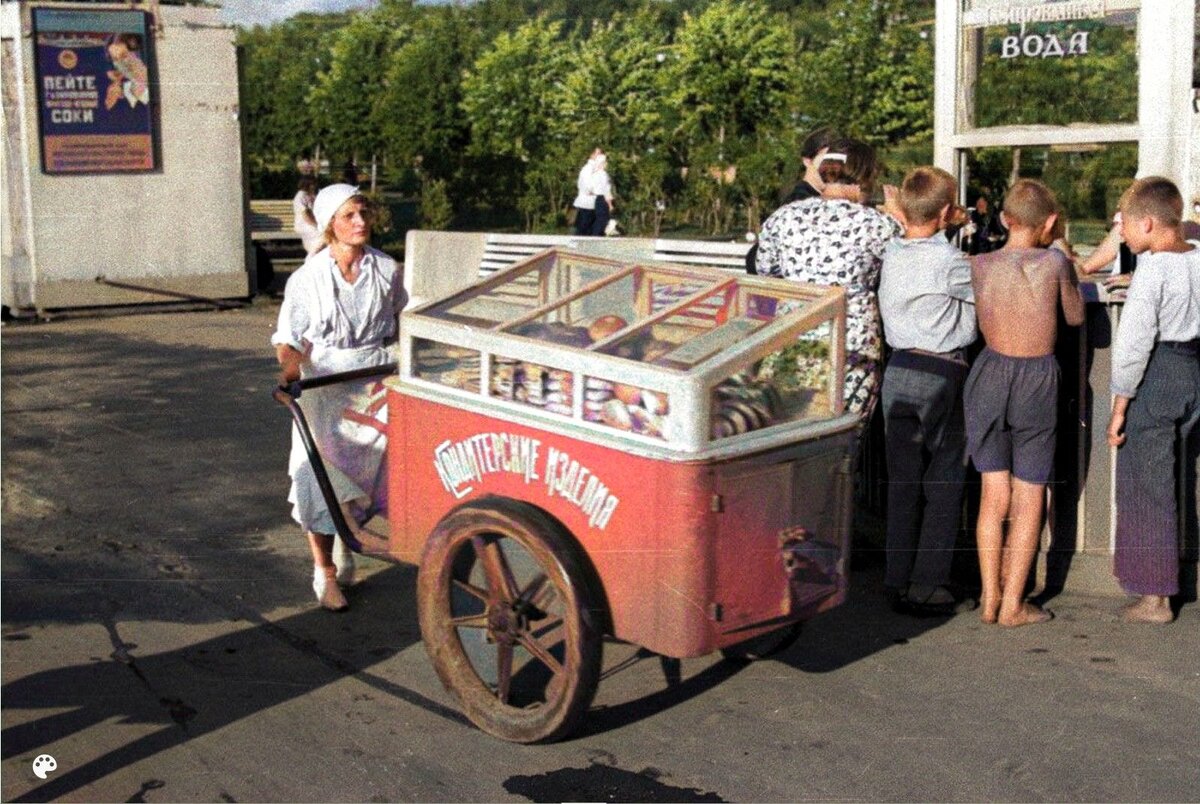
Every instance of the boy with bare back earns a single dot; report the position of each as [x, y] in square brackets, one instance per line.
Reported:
[1156, 394]
[1011, 394]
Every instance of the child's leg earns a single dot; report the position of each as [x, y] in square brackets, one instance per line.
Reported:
[1146, 559]
[1025, 528]
[989, 535]
[904, 448]
[943, 483]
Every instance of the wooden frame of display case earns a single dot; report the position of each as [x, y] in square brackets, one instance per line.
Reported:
[687, 435]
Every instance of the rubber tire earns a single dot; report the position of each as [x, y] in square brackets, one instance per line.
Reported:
[561, 559]
[764, 645]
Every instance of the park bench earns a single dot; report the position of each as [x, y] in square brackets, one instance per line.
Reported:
[730, 256]
[272, 220]
[502, 250]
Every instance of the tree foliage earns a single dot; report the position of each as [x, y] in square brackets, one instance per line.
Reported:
[487, 109]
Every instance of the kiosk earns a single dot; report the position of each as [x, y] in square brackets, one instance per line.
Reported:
[1016, 74]
[122, 156]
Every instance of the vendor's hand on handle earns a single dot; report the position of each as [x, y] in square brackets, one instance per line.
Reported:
[289, 364]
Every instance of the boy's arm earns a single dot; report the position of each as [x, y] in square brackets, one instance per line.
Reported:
[958, 278]
[1104, 254]
[1137, 332]
[1068, 292]
[1116, 422]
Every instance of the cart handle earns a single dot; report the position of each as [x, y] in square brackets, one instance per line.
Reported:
[296, 387]
[287, 395]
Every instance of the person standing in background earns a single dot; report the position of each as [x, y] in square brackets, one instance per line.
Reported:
[303, 222]
[602, 191]
[585, 199]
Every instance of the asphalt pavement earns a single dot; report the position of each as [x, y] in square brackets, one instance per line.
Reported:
[161, 642]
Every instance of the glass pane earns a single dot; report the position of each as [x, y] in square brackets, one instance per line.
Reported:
[550, 278]
[626, 407]
[605, 310]
[446, 365]
[1056, 73]
[705, 327]
[790, 384]
[538, 386]
[1088, 180]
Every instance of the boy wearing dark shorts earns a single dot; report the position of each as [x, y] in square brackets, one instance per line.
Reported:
[1011, 395]
[928, 311]
[1156, 395]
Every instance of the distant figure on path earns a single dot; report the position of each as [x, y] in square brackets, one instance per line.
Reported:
[601, 187]
[585, 199]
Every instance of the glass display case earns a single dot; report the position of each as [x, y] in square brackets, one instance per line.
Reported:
[686, 359]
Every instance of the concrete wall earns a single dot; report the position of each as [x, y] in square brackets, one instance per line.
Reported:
[180, 228]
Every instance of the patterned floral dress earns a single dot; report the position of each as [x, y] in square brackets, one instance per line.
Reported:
[836, 242]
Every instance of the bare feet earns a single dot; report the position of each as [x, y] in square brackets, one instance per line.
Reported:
[1149, 609]
[989, 609]
[1027, 614]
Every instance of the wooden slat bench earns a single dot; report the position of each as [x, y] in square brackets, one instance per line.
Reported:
[730, 256]
[272, 220]
[502, 250]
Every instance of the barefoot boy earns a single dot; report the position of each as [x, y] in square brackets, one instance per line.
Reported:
[928, 311]
[1011, 395]
[1156, 394]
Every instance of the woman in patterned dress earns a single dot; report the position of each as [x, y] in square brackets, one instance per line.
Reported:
[837, 239]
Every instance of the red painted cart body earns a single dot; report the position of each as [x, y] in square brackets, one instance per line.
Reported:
[692, 556]
[581, 447]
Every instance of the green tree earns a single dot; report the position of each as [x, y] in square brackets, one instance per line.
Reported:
[613, 99]
[436, 210]
[731, 74]
[873, 75]
[279, 66]
[514, 100]
[418, 110]
[343, 99]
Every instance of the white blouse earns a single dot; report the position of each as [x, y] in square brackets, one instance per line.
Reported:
[321, 311]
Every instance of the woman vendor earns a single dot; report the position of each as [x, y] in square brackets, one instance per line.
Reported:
[339, 313]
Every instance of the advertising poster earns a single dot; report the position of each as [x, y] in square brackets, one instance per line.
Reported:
[94, 78]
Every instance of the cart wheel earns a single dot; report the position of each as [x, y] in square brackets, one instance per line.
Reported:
[764, 645]
[507, 616]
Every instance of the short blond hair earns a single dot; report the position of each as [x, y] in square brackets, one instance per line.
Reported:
[925, 192]
[1154, 197]
[1029, 203]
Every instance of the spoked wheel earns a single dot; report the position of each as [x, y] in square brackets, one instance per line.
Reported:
[506, 611]
[764, 645]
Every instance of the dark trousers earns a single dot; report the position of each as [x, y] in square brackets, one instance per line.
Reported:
[925, 440]
[1159, 418]
[600, 219]
[583, 221]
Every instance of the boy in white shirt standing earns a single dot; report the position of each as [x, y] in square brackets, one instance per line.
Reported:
[928, 310]
[1156, 394]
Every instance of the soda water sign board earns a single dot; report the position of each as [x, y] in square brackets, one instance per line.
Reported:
[94, 89]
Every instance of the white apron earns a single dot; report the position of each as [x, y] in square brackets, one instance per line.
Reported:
[349, 425]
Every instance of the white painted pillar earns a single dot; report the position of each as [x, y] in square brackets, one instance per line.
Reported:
[1165, 42]
[947, 31]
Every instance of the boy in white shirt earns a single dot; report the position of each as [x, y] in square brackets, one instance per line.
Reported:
[1156, 394]
[928, 310]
